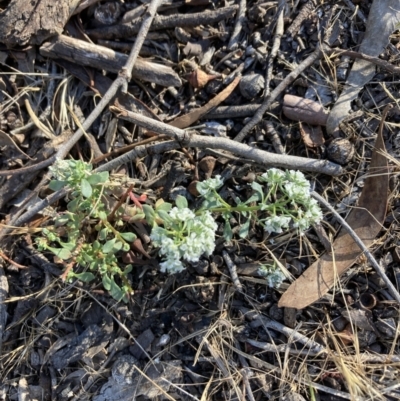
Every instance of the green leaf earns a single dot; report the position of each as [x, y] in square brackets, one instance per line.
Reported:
[126, 247]
[73, 205]
[115, 291]
[165, 217]
[106, 282]
[244, 229]
[62, 253]
[68, 245]
[228, 234]
[149, 213]
[85, 277]
[254, 198]
[103, 234]
[127, 270]
[86, 188]
[164, 206]
[181, 202]
[98, 178]
[109, 245]
[130, 237]
[56, 185]
[62, 220]
[257, 187]
[117, 246]
[102, 215]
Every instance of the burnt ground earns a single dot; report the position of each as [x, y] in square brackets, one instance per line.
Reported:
[204, 334]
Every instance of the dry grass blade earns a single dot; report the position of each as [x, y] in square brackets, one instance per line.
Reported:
[192, 117]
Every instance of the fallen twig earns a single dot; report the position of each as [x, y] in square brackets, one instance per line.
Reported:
[187, 139]
[164, 22]
[102, 58]
[240, 19]
[275, 46]
[233, 271]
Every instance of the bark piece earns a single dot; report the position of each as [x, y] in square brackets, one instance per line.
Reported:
[90, 55]
[32, 22]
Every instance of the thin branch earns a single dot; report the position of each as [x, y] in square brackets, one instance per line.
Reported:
[392, 289]
[275, 47]
[240, 19]
[187, 139]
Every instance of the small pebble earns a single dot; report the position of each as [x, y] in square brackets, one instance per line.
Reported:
[340, 151]
[251, 85]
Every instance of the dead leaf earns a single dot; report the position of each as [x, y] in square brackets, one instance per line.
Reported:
[299, 109]
[312, 136]
[190, 118]
[366, 220]
[6, 140]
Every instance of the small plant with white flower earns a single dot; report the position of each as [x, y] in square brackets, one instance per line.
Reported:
[87, 214]
[281, 200]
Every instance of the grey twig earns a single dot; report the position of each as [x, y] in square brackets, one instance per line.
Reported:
[240, 19]
[392, 289]
[275, 47]
[233, 271]
[187, 139]
[315, 55]
[164, 22]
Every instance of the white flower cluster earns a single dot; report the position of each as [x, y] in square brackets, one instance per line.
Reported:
[61, 169]
[273, 274]
[205, 188]
[186, 237]
[70, 170]
[302, 210]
